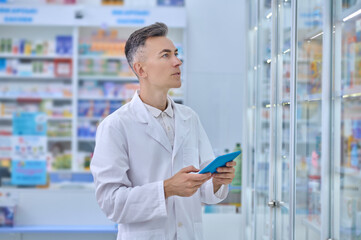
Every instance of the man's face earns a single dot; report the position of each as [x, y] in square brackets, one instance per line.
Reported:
[161, 63]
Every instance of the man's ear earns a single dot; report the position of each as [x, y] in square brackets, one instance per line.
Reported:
[139, 70]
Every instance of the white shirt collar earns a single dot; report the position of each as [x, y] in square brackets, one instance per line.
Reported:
[156, 112]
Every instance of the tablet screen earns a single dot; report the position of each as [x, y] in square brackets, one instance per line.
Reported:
[219, 162]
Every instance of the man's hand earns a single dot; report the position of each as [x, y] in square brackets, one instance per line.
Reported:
[184, 183]
[225, 176]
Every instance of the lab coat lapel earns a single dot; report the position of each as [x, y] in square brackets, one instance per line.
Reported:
[182, 129]
[153, 128]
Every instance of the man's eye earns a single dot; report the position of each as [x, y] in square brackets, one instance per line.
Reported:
[165, 55]
[176, 54]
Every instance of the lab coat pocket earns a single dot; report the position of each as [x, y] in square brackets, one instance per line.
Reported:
[198, 231]
[190, 157]
[144, 235]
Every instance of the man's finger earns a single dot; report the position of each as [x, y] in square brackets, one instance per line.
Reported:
[203, 180]
[225, 169]
[198, 185]
[189, 169]
[231, 164]
[224, 175]
[200, 177]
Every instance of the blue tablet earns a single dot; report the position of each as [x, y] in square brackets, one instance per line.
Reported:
[219, 162]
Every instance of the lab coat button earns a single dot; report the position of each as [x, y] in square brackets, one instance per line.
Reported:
[180, 224]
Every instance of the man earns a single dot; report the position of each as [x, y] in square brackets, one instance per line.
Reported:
[148, 150]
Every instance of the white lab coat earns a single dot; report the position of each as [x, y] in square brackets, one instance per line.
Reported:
[132, 158]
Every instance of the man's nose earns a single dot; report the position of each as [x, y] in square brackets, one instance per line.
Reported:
[177, 61]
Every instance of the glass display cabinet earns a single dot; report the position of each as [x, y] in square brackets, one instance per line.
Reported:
[302, 135]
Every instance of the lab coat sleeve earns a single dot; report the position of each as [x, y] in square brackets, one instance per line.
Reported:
[118, 199]
[205, 157]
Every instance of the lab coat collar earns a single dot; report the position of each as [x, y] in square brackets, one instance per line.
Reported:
[177, 111]
[138, 108]
[155, 130]
[142, 114]
[156, 112]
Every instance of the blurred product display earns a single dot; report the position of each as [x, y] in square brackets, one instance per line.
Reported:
[76, 75]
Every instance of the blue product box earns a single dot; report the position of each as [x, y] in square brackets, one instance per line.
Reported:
[356, 129]
[83, 108]
[68, 45]
[2, 64]
[99, 107]
[85, 177]
[7, 216]
[109, 89]
[80, 130]
[358, 30]
[92, 131]
[114, 105]
[59, 45]
[170, 2]
[64, 45]
[22, 46]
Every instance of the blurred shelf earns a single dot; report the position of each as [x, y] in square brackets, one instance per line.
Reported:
[59, 139]
[105, 57]
[102, 98]
[108, 78]
[350, 232]
[286, 101]
[350, 93]
[176, 99]
[262, 193]
[6, 118]
[313, 34]
[23, 56]
[90, 118]
[32, 77]
[350, 172]
[349, 11]
[353, 95]
[311, 225]
[108, 57]
[10, 118]
[305, 142]
[299, 60]
[66, 177]
[310, 98]
[86, 139]
[308, 121]
[60, 229]
[297, 142]
[51, 118]
[303, 60]
[33, 98]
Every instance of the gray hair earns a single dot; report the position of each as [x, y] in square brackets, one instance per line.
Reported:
[137, 39]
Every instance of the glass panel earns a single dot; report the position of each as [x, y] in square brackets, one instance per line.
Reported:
[262, 216]
[248, 186]
[347, 109]
[283, 117]
[308, 120]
